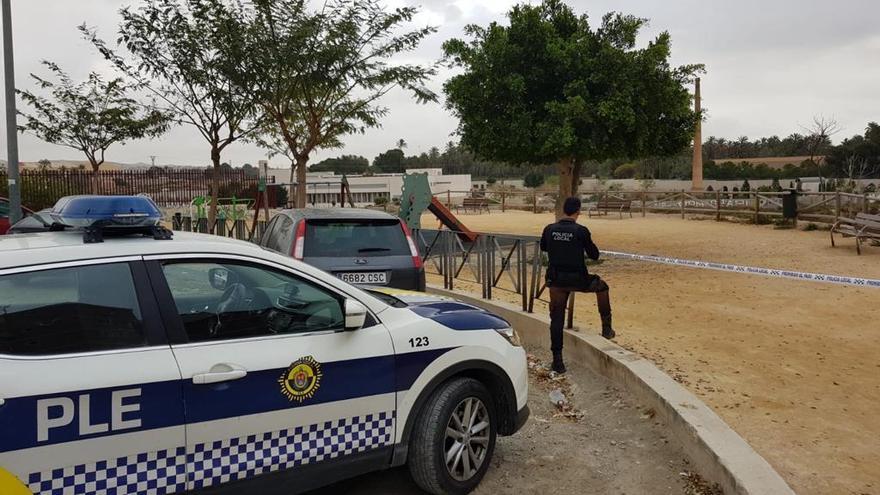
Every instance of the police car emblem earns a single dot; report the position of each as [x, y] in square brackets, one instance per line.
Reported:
[301, 380]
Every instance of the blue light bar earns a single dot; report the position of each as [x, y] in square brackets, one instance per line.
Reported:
[106, 212]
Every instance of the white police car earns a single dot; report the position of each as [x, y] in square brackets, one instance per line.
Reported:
[205, 364]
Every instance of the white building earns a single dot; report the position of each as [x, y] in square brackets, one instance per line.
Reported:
[322, 188]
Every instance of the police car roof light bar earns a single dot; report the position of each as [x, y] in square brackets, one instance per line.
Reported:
[100, 215]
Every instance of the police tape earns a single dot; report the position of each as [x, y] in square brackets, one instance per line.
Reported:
[754, 270]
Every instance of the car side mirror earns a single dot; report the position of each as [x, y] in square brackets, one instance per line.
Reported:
[355, 315]
[220, 278]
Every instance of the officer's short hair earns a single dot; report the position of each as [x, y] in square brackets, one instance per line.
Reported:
[572, 205]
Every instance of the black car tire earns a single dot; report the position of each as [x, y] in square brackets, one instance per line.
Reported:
[431, 439]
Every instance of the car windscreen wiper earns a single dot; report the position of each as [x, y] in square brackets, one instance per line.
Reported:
[372, 249]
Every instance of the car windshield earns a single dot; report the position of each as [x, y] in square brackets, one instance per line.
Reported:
[355, 238]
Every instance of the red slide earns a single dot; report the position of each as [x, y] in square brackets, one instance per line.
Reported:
[450, 221]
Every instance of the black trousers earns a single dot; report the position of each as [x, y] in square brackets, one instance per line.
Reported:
[559, 302]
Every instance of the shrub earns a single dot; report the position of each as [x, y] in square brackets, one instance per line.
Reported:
[533, 179]
[625, 171]
[775, 185]
[381, 201]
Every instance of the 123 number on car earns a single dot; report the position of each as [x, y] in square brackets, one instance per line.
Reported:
[419, 342]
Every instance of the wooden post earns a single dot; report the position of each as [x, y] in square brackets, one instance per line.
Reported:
[503, 201]
[837, 205]
[757, 207]
[644, 198]
[682, 204]
[717, 206]
[865, 203]
[535, 202]
[448, 199]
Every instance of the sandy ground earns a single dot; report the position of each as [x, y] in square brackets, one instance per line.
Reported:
[616, 447]
[791, 365]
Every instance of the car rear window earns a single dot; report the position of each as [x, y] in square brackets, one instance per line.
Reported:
[363, 238]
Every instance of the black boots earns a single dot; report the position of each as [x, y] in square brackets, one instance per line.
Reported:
[607, 331]
[558, 366]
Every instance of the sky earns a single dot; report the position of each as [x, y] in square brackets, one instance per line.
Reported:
[771, 65]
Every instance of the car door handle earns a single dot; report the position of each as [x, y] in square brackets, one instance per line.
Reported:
[220, 373]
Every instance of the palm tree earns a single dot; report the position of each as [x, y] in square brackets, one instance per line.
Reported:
[401, 144]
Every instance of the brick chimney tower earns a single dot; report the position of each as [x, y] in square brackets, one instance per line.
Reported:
[697, 173]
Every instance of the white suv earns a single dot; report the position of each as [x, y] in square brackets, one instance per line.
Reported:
[149, 366]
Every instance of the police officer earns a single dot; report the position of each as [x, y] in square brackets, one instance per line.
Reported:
[566, 242]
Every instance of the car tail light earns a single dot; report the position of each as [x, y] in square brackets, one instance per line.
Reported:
[417, 260]
[299, 240]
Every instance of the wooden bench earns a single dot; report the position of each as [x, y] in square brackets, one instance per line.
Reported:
[478, 205]
[611, 204]
[863, 227]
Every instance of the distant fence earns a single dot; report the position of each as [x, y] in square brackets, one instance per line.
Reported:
[756, 205]
[168, 187]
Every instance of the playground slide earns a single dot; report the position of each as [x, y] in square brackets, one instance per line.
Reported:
[450, 221]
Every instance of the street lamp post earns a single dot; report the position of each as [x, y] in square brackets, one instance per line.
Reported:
[11, 125]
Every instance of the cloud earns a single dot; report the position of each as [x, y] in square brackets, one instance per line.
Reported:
[771, 66]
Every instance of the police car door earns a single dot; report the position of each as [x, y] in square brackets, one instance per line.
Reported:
[271, 380]
[90, 398]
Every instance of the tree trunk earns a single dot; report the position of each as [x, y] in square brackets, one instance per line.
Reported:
[291, 190]
[95, 166]
[95, 188]
[301, 162]
[566, 169]
[576, 176]
[215, 187]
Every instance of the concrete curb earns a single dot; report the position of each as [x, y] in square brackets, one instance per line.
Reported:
[718, 453]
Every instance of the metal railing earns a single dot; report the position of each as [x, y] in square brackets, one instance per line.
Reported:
[496, 262]
[242, 229]
[168, 187]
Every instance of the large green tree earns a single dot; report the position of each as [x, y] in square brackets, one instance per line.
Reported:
[551, 88]
[345, 164]
[172, 48]
[318, 75]
[857, 157]
[88, 116]
[391, 161]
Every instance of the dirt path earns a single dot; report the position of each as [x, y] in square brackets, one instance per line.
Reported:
[615, 448]
[792, 366]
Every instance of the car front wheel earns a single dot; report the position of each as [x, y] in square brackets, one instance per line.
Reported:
[453, 438]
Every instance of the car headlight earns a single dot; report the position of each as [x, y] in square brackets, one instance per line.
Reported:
[510, 335]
